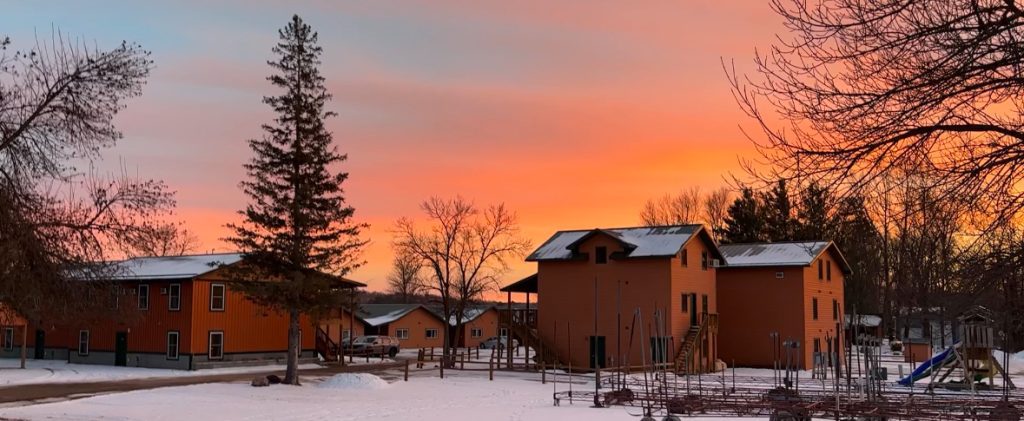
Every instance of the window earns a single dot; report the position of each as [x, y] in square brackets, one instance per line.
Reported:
[703, 260]
[601, 255]
[143, 293]
[683, 258]
[503, 331]
[83, 342]
[820, 277]
[780, 275]
[817, 344]
[704, 303]
[685, 302]
[216, 297]
[828, 270]
[835, 309]
[172, 345]
[476, 332]
[174, 297]
[402, 333]
[216, 350]
[8, 339]
[431, 333]
[346, 335]
[814, 308]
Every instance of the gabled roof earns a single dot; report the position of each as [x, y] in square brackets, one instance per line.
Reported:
[382, 314]
[171, 267]
[471, 313]
[797, 253]
[657, 241]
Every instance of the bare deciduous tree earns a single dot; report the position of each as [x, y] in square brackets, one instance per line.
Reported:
[716, 209]
[865, 88]
[405, 279]
[682, 208]
[466, 250]
[57, 105]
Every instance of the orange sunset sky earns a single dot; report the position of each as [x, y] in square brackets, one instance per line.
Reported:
[570, 112]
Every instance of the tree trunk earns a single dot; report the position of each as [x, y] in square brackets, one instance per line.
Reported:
[291, 374]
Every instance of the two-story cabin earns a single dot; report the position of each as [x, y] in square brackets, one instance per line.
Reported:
[794, 289]
[179, 312]
[628, 295]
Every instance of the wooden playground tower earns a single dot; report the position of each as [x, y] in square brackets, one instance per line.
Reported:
[973, 355]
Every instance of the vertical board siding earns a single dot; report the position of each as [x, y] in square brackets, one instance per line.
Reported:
[247, 327]
[752, 303]
[825, 291]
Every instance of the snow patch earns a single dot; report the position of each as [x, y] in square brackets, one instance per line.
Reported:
[353, 381]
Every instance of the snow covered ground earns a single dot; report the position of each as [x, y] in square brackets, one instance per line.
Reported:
[50, 371]
[466, 396]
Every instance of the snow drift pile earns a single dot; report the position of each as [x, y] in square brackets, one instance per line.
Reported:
[350, 381]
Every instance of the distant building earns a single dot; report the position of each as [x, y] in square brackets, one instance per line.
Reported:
[793, 288]
[413, 324]
[176, 312]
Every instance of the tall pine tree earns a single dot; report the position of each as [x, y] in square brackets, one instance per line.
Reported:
[816, 219]
[778, 214]
[745, 221]
[297, 226]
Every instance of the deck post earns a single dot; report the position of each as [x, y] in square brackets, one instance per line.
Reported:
[508, 332]
[526, 338]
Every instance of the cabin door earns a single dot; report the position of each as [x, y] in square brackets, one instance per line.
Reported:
[40, 344]
[597, 357]
[693, 309]
[121, 349]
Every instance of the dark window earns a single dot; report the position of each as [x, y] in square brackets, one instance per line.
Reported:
[402, 333]
[476, 332]
[817, 345]
[704, 303]
[174, 297]
[503, 332]
[8, 339]
[814, 308]
[828, 270]
[143, 293]
[683, 258]
[216, 350]
[216, 297]
[835, 310]
[601, 255]
[431, 333]
[820, 276]
[685, 302]
[703, 260]
[172, 345]
[83, 342]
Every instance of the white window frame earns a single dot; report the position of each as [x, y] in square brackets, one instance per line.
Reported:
[83, 334]
[502, 332]
[8, 339]
[402, 333]
[476, 332]
[427, 334]
[209, 345]
[223, 296]
[138, 291]
[177, 345]
[171, 296]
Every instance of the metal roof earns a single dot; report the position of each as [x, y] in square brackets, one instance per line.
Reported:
[660, 241]
[171, 267]
[797, 253]
[382, 314]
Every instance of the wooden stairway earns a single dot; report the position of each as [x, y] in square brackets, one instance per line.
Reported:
[529, 336]
[326, 347]
[685, 362]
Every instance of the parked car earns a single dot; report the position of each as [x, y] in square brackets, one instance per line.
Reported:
[498, 342]
[374, 345]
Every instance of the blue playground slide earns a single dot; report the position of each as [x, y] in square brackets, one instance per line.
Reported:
[925, 369]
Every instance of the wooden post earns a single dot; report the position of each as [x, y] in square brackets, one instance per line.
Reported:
[508, 332]
[24, 344]
[462, 361]
[543, 372]
[526, 338]
[490, 369]
[406, 370]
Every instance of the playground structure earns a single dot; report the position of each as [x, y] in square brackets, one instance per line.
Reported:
[848, 381]
[972, 358]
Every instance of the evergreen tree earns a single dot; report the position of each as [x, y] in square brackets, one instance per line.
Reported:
[778, 213]
[745, 221]
[815, 220]
[297, 226]
[861, 244]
